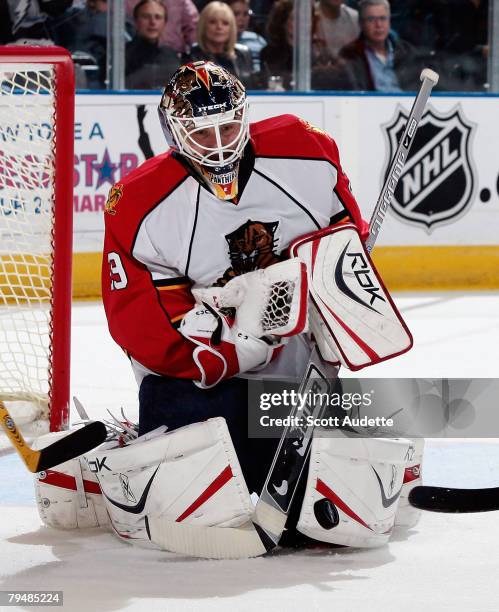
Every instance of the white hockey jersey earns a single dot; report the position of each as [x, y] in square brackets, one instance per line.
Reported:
[166, 233]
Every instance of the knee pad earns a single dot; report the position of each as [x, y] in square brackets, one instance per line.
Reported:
[189, 475]
[68, 496]
[353, 488]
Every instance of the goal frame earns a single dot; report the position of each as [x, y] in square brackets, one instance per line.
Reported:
[62, 229]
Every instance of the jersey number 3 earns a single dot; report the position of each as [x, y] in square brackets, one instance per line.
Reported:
[119, 279]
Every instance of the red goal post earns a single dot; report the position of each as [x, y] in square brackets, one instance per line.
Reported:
[36, 187]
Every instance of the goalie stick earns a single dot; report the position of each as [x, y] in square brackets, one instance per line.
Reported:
[263, 532]
[458, 501]
[74, 444]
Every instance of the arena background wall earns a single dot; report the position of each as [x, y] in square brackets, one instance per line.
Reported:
[443, 232]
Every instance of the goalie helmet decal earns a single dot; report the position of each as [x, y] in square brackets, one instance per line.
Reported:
[202, 88]
[200, 97]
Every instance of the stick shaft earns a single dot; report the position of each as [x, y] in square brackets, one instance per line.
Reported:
[398, 162]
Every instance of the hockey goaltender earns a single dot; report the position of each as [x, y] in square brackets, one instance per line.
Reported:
[225, 258]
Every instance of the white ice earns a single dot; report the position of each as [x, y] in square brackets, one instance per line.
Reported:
[448, 562]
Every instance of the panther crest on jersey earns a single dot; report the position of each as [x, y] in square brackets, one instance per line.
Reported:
[186, 94]
[251, 247]
[113, 198]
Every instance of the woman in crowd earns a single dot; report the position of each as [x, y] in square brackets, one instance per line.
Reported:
[217, 35]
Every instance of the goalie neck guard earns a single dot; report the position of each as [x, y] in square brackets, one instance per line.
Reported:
[204, 116]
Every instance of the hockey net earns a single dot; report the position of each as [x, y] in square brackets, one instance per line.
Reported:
[36, 174]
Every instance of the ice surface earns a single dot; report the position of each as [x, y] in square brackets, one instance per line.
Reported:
[448, 562]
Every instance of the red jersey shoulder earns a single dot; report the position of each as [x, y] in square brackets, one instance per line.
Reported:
[290, 136]
[145, 186]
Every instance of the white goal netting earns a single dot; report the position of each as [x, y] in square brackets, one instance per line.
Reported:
[27, 167]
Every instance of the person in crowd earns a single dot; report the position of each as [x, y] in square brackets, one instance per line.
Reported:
[328, 72]
[415, 21]
[83, 31]
[147, 64]
[378, 61]
[260, 10]
[5, 24]
[336, 24]
[217, 36]
[26, 22]
[245, 36]
[462, 45]
[180, 31]
[277, 57]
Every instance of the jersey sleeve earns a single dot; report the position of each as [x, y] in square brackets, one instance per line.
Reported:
[143, 312]
[343, 191]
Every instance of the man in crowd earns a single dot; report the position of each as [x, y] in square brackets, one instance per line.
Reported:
[377, 60]
[337, 25]
[148, 64]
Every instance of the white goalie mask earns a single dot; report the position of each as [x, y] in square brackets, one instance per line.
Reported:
[204, 115]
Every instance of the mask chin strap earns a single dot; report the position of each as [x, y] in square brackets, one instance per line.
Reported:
[224, 185]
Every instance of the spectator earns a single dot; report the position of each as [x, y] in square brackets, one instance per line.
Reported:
[462, 45]
[26, 22]
[254, 42]
[147, 65]
[84, 32]
[217, 35]
[328, 72]
[415, 22]
[377, 60]
[260, 13]
[5, 24]
[180, 31]
[277, 57]
[336, 25]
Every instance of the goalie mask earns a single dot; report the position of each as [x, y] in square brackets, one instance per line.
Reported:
[204, 115]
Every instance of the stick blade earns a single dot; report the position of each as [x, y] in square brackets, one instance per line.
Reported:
[206, 542]
[458, 501]
[73, 445]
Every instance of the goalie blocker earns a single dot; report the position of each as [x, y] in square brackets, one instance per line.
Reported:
[352, 316]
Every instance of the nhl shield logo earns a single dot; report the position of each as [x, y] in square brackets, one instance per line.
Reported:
[437, 183]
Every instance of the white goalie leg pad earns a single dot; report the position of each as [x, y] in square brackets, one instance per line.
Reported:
[270, 301]
[359, 321]
[190, 476]
[353, 489]
[407, 516]
[68, 495]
